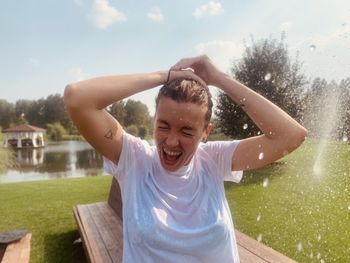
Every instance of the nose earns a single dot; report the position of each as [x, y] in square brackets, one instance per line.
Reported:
[172, 140]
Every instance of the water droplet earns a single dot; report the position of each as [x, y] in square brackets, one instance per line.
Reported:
[312, 47]
[260, 237]
[245, 126]
[261, 156]
[259, 132]
[258, 218]
[345, 138]
[267, 76]
[318, 237]
[300, 246]
[266, 182]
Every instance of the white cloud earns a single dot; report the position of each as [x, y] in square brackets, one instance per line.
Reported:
[222, 52]
[77, 74]
[103, 14]
[286, 26]
[210, 9]
[34, 62]
[155, 14]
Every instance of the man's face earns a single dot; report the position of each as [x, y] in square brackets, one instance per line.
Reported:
[178, 129]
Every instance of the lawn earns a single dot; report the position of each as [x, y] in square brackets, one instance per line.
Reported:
[45, 209]
[304, 215]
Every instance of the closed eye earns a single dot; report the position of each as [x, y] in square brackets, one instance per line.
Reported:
[186, 133]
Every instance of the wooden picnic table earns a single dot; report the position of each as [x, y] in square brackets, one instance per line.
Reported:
[101, 230]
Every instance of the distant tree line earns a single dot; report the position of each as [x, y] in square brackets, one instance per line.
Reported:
[50, 113]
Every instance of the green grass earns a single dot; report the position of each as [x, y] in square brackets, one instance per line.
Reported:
[45, 209]
[303, 215]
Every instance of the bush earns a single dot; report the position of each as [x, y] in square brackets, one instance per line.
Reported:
[132, 129]
[55, 131]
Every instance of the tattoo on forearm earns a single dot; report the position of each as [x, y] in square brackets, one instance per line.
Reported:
[109, 135]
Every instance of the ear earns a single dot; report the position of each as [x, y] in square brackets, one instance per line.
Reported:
[207, 131]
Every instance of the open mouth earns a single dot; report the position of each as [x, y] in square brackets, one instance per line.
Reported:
[171, 157]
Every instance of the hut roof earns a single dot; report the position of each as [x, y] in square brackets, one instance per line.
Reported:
[24, 128]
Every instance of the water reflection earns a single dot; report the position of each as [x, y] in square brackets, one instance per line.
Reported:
[56, 160]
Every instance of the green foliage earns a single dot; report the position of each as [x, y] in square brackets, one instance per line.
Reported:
[6, 113]
[55, 131]
[267, 69]
[132, 129]
[142, 132]
[7, 157]
[136, 113]
[133, 115]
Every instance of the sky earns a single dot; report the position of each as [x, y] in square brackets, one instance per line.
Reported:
[47, 44]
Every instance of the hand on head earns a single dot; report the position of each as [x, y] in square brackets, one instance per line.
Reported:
[184, 74]
[201, 66]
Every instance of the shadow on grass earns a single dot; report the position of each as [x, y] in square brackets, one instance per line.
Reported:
[61, 248]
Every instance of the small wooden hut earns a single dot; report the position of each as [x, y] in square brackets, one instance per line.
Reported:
[24, 136]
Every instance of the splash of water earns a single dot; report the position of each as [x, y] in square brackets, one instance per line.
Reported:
[329, 119]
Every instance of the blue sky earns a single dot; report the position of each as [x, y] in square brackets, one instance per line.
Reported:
[46, 44]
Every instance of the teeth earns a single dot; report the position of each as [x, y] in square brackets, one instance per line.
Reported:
[171, 153]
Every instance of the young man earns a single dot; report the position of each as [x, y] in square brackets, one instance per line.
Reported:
[174, 205]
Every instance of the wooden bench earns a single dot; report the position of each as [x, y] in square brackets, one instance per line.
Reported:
[16, 252]
[101, 231]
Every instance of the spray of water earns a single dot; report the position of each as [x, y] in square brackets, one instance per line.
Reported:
[330, 120]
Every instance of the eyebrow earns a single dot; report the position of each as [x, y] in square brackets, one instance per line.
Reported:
[182, 128]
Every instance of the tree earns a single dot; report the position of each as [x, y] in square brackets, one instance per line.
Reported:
[142, 132]
[136, 113]
[117, 110]
[267, 69]
[7, 113]
[55, 131]
[132, 129]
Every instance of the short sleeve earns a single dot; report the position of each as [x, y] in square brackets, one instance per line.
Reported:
[133, 150]
[222, 152]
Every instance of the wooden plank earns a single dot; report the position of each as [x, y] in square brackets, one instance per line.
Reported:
[18, 251]
[115, 198]
[247, 256]
[95, 246]
[108, 228]
[115, 227]
[260, 250]
[83, 236]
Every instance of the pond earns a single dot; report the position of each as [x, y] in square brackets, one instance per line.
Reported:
[56, 160]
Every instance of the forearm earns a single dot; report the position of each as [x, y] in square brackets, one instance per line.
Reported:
[271, 120]
[103, 91]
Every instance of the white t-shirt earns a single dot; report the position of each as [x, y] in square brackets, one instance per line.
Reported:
[180, 216]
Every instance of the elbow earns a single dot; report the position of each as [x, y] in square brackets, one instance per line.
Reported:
[298, 138]
[69, 96]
